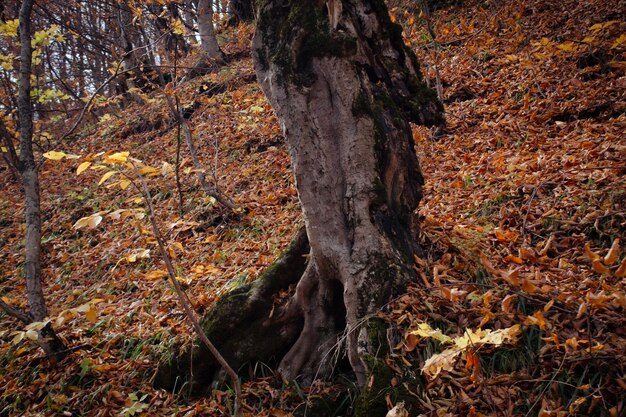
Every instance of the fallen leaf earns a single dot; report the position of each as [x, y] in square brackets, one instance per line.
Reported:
[613, 254]
[90, 222]
[621, 271]
[54, 155]
[599, 267]
[514, 259]
[591, 255]
[82, 167]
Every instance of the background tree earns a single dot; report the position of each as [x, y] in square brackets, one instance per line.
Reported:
[29, 172]
[208, 40]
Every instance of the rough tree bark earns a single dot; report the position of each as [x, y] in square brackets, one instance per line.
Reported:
[345, 88]
[241, 10]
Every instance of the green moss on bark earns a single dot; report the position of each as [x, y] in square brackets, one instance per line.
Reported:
[295, 32]
[240, 326]
[372, 399]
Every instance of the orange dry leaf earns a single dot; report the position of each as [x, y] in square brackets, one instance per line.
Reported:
[507, 303]
[527, 254]
[621, 271]
[472, 362]
[547, 246]
[514, 259]
[512, 277]
[487, 298]
[528, 286]
[590, 254]
[598, 300]
[536, 319]
[488, 265]
[506, 235]
[410, 342]
[613, 253]
[599, 267]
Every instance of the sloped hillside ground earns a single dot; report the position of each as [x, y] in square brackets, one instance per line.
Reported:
[524, 210]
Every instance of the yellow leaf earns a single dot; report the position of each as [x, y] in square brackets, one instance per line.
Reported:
[92, 314]
[82, 167]
[124, 184]
[177, 27]
[212, 270]
[106, 177]
[90, 222]
[500, 336]
[568, 47]
[166, 169]
[115, 215]
[9, 28]
[619, 41]
[83, 308]
[55, 155]
[117, 158]
[32, 334]
[443, 361]
[143, 253]
[17, 338]
[613, 253]
[36, 325]
[424, 330]
[154, 275]
[148, 170]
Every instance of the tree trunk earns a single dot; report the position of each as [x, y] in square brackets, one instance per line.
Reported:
[48, 340]
[131, 58]
[241, 10]
[208, 40]
[345, 88]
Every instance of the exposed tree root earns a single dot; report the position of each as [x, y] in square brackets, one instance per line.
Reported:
[245, 326]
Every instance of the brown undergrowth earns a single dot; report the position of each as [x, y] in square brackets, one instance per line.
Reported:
[525, 196]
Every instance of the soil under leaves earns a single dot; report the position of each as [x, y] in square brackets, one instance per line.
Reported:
[525, 196]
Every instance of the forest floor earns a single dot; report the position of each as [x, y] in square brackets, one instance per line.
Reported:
[523, 215]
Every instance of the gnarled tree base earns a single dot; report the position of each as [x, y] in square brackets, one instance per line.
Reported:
[245, 326]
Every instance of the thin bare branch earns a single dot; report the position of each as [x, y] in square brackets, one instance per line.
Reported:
[184, 300]
[15, 312]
